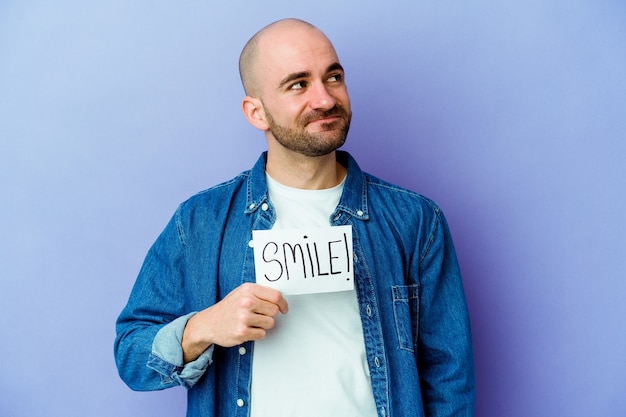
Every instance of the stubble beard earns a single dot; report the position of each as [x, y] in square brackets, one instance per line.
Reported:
[331, 138]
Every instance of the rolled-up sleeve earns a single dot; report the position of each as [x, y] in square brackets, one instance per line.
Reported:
[166, 357]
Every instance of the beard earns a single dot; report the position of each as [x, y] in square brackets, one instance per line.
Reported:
[313, 144]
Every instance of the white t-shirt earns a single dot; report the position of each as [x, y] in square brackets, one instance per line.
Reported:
[313, 362]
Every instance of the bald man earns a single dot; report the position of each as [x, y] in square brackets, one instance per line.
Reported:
[395, 342]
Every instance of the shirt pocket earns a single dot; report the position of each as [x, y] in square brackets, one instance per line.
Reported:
[406, 314]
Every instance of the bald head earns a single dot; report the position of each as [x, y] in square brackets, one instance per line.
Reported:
[251, 53]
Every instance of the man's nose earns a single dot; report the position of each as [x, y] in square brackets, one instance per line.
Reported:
[321, 98]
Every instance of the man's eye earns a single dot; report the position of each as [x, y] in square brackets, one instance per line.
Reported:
[297, 86]
[335, 78]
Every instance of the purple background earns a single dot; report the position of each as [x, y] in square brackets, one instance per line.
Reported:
[511, 115]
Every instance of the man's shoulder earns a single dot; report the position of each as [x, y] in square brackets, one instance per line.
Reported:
[218, 194]
[391, 192]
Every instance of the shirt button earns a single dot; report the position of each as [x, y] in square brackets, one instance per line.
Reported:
[251, 243]
[242, 350]
[251, 206]
[359, 213]
[240, 402]
[264, 207]
[377, 362]
[368, 310]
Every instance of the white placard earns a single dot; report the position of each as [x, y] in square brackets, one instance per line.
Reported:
[304, 261]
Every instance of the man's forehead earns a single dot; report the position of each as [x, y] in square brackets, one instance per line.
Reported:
[297, 54]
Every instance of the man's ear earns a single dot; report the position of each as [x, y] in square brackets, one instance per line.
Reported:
[255, 113]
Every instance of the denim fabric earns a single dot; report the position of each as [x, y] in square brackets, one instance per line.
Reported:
[408, 283]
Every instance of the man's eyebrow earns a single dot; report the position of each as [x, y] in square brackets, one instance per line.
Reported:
[305, 74]
[334, 67]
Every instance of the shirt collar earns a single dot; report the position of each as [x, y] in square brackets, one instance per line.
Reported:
[353, 199]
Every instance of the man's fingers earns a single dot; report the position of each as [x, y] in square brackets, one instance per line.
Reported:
[253, 329]
[271, 296]
[265, 308]
[260, 321]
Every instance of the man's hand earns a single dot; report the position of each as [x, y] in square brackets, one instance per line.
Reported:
[244, 314]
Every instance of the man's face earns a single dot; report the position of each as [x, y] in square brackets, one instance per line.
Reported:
[304, 96]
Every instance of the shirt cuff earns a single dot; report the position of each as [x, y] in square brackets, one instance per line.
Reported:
[167, 355]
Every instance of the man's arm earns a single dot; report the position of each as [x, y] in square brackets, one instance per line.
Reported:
[155, 305]
[160, 342]
[445, 361]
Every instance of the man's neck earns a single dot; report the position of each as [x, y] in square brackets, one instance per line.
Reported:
[309, 173]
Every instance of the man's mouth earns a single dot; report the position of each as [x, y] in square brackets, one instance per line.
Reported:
[323, 120]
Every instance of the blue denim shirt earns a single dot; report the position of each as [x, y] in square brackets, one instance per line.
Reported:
[408, 283]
